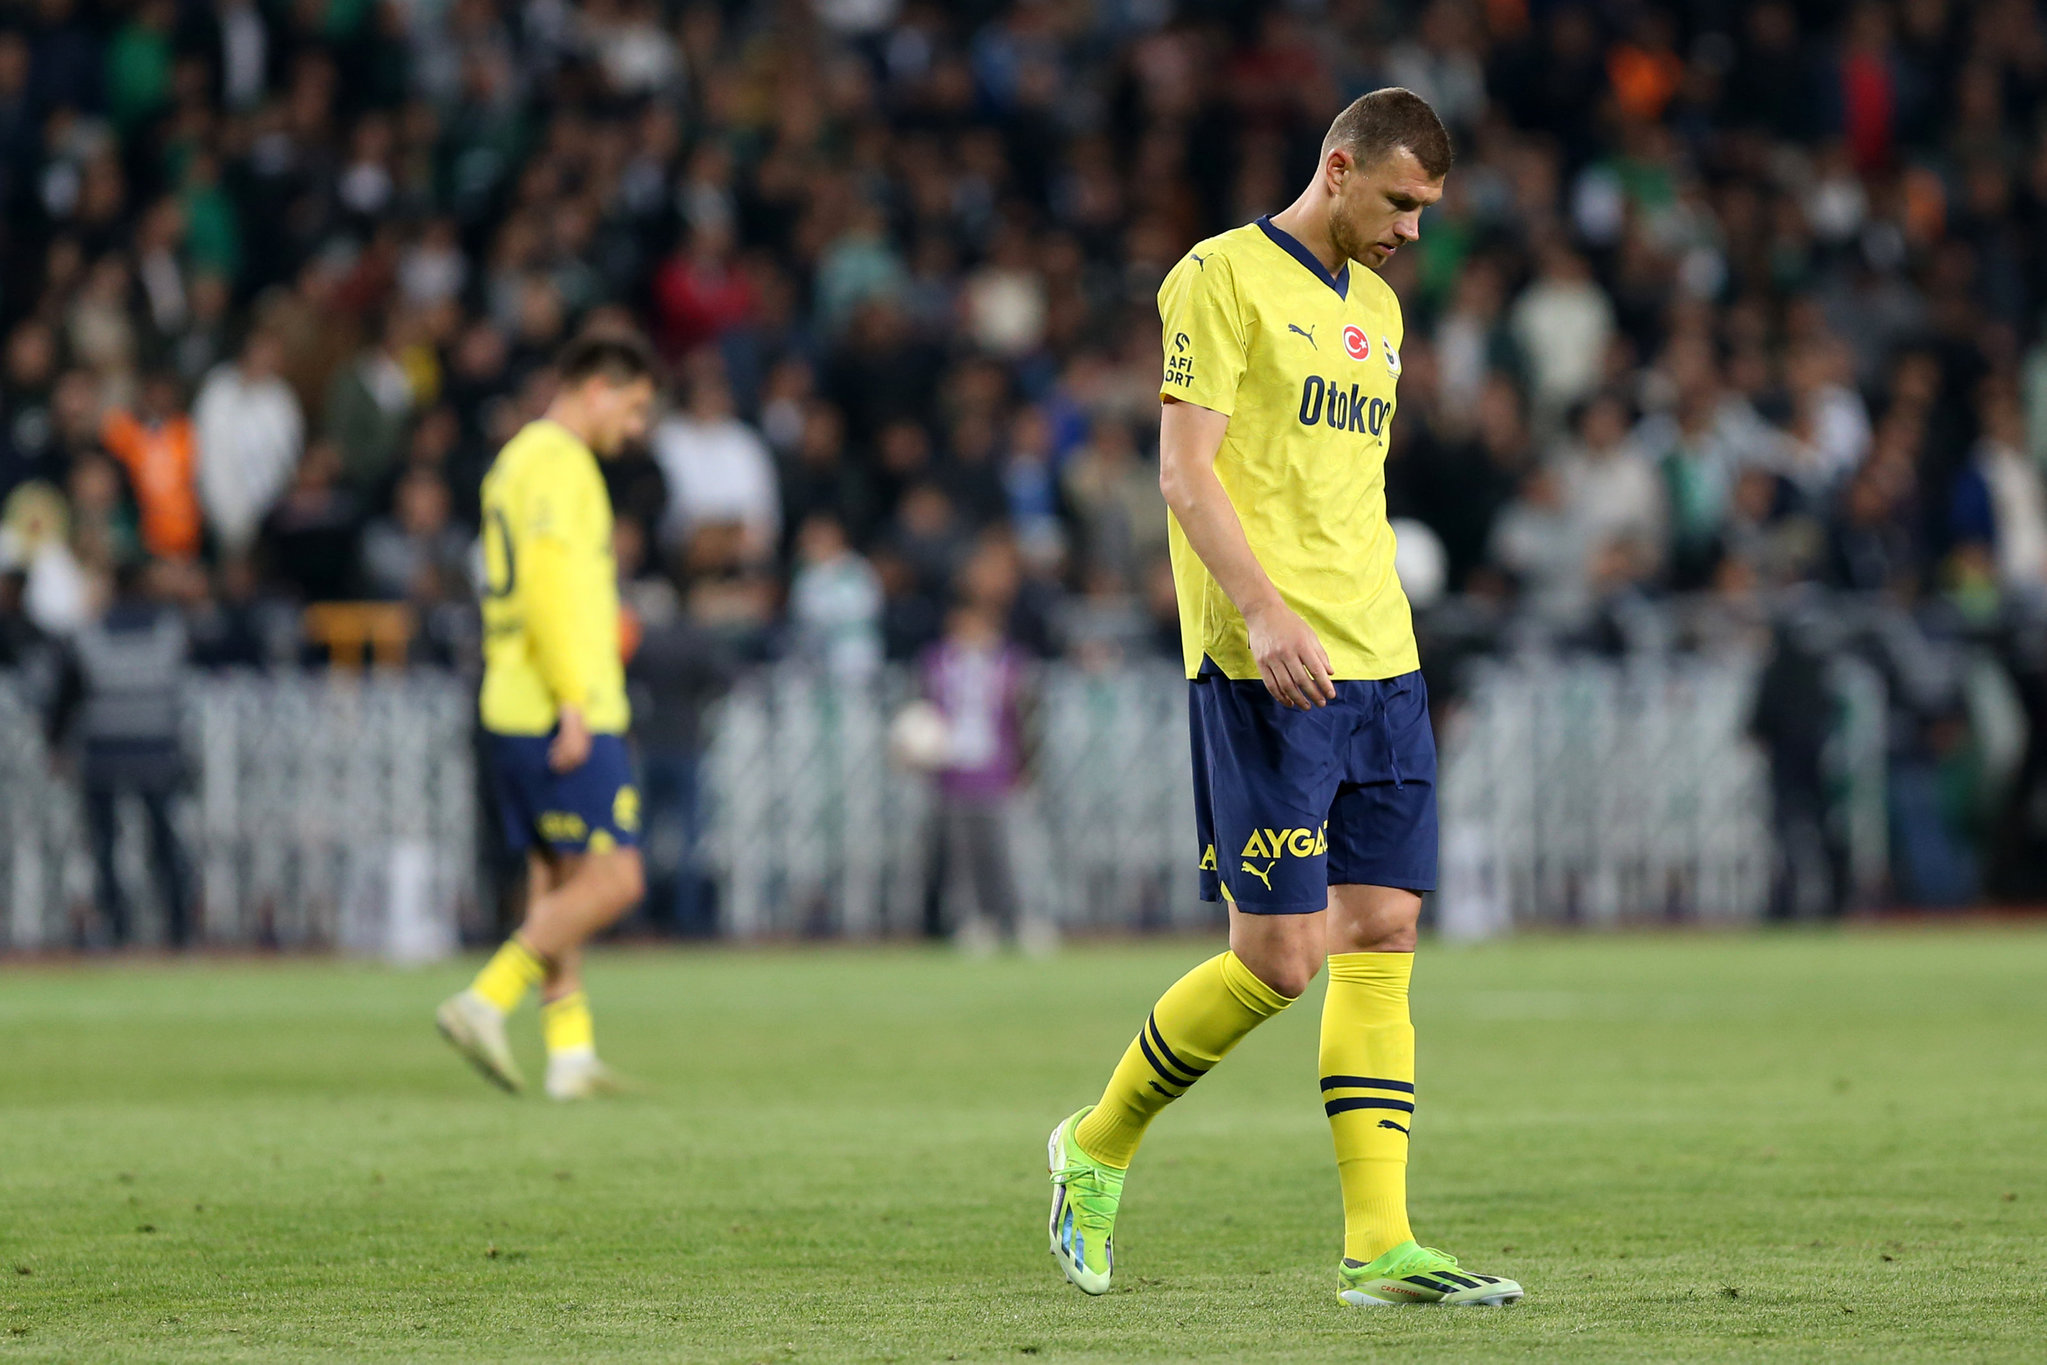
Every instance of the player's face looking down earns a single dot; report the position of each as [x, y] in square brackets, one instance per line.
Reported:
[1378, 207]
[617, 412]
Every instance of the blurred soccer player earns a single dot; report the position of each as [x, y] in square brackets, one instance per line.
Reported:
[554, 707]
[1314, 764]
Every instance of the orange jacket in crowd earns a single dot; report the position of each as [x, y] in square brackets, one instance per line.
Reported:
[160, 464]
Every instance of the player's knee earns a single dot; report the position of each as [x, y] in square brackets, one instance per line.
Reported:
[1373, 919]
[1296, 979]
[1289, 974]
[628, 877]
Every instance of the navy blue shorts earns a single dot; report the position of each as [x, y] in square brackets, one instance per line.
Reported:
[589, 809]
[1290, 803]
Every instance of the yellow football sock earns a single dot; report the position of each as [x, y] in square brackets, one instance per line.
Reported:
[1193, 1025]
[1368, 1090]
[565, 1024]
[512, 971]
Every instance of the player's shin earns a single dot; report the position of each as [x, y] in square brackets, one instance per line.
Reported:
[1195, 1023]
[511, 972]
[1367, 1063]
[565, 1025]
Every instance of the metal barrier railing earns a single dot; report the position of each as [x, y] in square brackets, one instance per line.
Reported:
[324, 809]
[1573, 792]
[329, 810]
[813, 831]
[1585, 792]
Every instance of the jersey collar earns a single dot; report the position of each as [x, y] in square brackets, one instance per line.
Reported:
[1291, 245]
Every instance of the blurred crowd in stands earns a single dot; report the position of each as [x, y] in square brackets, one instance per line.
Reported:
[1727, 304]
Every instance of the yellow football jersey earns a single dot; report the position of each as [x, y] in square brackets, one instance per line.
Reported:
[550, 592]
[1304, 364]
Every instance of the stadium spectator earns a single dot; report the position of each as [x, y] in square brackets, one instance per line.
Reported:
[368, 410]
[974, 676]
[2000, 500]
[819, 478]
[1561, 324]
[35, 541]
[156, 446]
[416, 553]
[1608, 484]
[1545, 550]
[834, 603]
[105, 528]
[25, 390]
[1829, 432]
[249, 433]
[717, 468]
[1113, 492]
[310, 536]
[1471, 340]
[1030, 483]
[678, 671]
[119, 701]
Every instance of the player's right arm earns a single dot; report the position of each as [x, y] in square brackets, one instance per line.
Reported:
[1290, 657]
[1205, 360]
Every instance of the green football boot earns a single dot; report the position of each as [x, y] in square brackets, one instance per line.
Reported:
[1419, 1274]
[1085, 1194]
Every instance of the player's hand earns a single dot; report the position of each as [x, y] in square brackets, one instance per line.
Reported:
[1290, 658]
[571, 742]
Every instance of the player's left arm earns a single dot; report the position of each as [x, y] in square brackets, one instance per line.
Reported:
[556, 602]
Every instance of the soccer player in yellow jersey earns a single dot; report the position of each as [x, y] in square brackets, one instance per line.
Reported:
[1314, 764]
[554, 711]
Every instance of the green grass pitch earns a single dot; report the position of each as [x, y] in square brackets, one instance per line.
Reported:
[1773, 1147]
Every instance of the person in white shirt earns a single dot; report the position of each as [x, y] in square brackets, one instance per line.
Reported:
[2014, 495]
[1612, 490]
[1562, 324]
[249, 434]
[718, 469]
[1830, 430]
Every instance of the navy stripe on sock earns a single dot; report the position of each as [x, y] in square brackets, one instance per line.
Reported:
[1151, 1021]
[1160, 1067]
[1366, 1083]
[1335, 1107]
[1162, 1090]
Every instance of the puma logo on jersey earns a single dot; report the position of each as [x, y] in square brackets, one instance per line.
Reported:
[1275, 844]
[1309, 334]
[1201, 261]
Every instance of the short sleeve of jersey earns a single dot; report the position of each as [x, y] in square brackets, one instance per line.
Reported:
[1204, 335]
[552, 506]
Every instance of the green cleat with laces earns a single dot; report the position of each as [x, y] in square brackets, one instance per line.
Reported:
[1085, 1194]
[1418, 1274]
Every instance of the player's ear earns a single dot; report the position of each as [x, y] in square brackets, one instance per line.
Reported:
[1342, 164]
